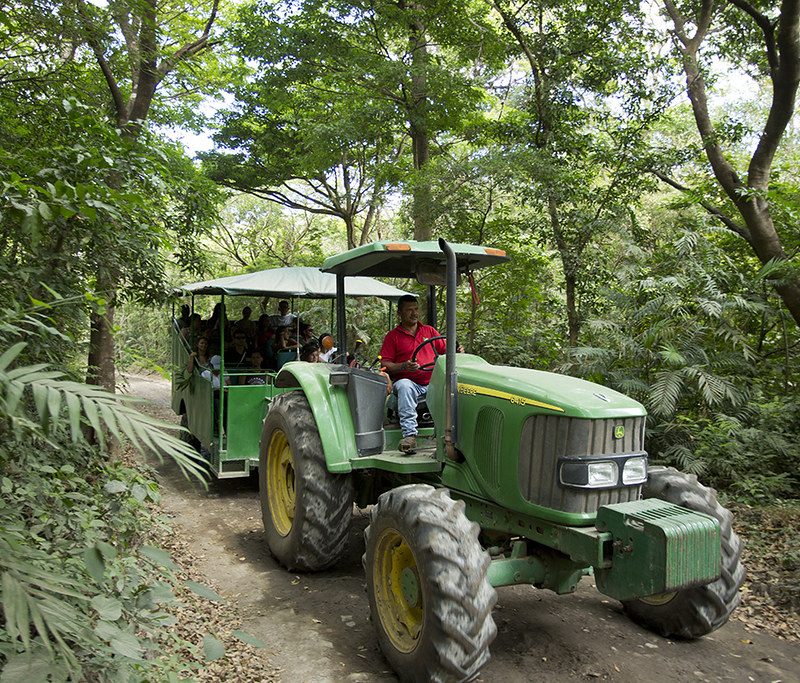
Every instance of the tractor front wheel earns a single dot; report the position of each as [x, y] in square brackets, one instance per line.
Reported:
[429, 595]
[692, 612]
[306, 510]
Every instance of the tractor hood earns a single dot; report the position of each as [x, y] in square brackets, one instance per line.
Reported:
[551, 392]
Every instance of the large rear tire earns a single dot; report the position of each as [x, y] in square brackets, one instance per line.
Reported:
[306, 510]
[692, 612]
[429, 595]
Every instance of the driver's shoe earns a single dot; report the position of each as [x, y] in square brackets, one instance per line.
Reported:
[408, 444]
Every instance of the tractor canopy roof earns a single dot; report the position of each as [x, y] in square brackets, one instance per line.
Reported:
[409, 259]
[303, 282]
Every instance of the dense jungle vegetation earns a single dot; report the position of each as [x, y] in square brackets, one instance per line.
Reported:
[638, 161]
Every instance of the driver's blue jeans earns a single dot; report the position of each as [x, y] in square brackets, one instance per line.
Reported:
[407, 393]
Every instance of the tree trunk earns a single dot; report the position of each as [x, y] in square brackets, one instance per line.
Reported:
[418, 126]
[573, 317]
[750, 197]
[101, 369]
[569, 262]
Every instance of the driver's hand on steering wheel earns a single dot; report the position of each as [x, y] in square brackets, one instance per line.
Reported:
[409, 365]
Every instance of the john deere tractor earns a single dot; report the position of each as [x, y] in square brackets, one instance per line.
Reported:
[523, 477]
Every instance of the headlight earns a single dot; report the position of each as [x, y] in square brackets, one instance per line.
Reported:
[634, 471]
[590, 475]
[603, 474]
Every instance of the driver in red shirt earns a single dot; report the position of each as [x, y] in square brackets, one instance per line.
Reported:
[410, 383]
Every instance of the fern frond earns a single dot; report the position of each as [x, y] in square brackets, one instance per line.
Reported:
[63, 405]
[665, 392]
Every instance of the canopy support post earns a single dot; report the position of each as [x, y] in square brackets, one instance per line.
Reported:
[431, 305]
[341, 326]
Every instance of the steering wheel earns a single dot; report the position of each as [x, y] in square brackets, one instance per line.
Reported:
[429, 365]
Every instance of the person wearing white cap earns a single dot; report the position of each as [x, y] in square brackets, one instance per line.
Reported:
[213, 374]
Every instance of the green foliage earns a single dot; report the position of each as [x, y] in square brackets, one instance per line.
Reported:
[81, 596]
[699, 342]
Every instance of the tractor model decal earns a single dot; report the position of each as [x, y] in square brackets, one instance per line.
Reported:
[472, 390]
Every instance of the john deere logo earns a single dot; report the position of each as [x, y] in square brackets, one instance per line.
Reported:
[619, 432]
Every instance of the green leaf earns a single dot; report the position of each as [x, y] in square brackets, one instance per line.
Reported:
[53, 403]
[127, 645]
[213, 648]
[250, 640]
[10, 354]
[15, 608]
[107, 631]
[115, 486]
[203, 591]
[27, 668]
[95, 565]
[139, 492]
[45, 212]
[159, 556]
[108, 609]
[108, 551]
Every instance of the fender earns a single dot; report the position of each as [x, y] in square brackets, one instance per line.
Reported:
[330, 409]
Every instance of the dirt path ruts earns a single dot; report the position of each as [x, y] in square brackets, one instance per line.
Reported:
[318, 629]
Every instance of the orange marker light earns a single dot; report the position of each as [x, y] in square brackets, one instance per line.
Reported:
[397, 246]
[495, 252]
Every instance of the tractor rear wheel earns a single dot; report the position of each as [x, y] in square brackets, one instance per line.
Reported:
[429, 595]
[306, 510]
[692, 612]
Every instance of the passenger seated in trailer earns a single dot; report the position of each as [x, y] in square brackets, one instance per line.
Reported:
[237, 354]
[327, 348]
[410, 383]
[284, 348]
[306, 334]
[199, 358]
[214, 326]
[195, 330]
[213, 374]
[264, 332]
[310, 352]
[284, 318]
[186, 313]
[245, 324]
[257, 365]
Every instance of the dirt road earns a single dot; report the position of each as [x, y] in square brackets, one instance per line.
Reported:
[318, 629]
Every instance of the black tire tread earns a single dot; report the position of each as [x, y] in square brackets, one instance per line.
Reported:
[696, 611]
[325, 500]
[459, 627]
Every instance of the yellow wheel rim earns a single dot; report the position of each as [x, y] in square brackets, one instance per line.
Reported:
[658, 598]
[280, 482]
[398, 590]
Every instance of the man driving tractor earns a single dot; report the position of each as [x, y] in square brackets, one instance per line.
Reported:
[410, 381]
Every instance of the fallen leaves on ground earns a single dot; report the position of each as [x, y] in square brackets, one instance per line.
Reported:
[771, 555]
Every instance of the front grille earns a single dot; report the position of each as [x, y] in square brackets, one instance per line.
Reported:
[546, 438]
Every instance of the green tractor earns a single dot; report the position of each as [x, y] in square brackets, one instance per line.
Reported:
[525, 477]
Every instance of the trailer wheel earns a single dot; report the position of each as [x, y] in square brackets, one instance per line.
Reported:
[186, 436]
[692, 612]
[429, 595]
[306, 510]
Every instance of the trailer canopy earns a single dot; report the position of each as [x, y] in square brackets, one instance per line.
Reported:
[299, 282]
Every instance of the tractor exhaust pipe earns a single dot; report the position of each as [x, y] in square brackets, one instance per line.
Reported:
[450, 358]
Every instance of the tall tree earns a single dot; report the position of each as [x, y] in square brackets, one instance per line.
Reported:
[137, 45]
[336, 81]
[578, 152]
[763, 39]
